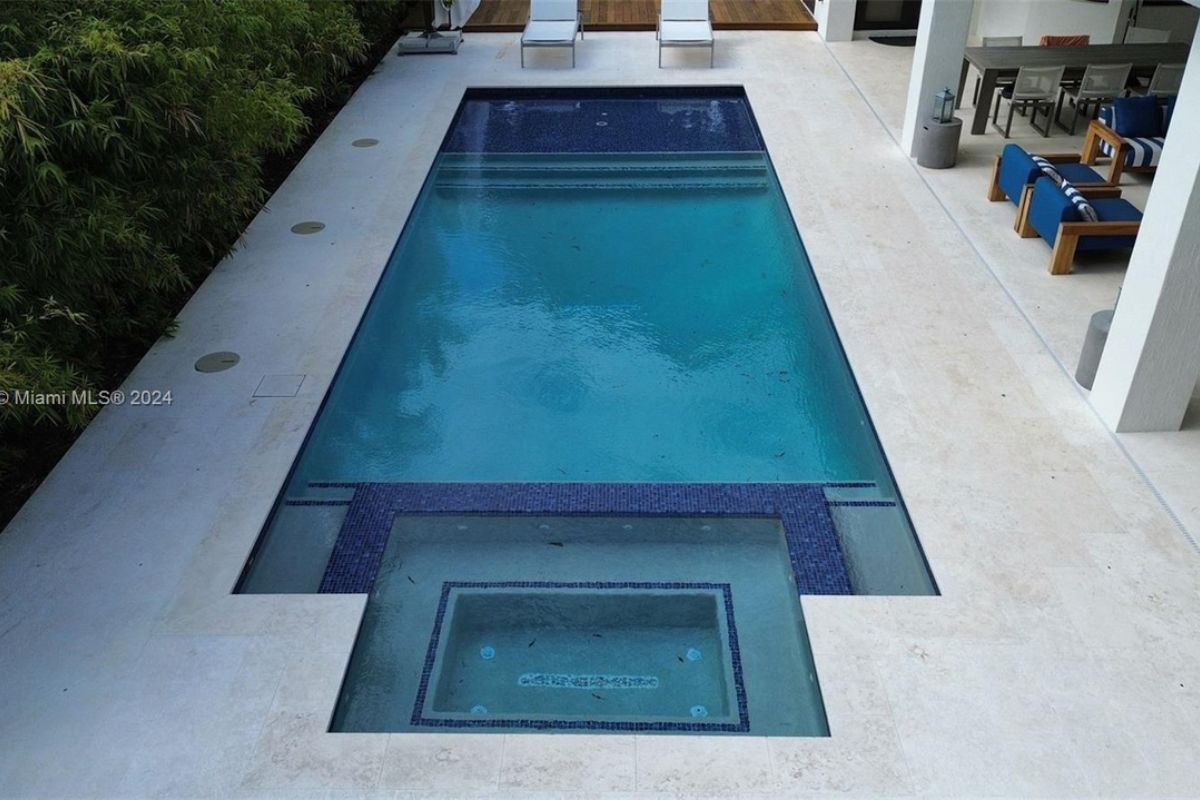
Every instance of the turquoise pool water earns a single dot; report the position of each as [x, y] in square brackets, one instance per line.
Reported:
[596, 406]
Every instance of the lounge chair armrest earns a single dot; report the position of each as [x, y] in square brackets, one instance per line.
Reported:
[1106, 191]
[1101, 131]
[1061, 158]
[1123, 228]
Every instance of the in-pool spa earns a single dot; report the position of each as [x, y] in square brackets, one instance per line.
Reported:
[596, 407]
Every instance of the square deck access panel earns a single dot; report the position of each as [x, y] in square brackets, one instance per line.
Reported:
[586, 656]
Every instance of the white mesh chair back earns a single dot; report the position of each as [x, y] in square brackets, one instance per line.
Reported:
[1166, 79]
[553, 10]
[1037, 83]
[684, 9]
[1003, 41]
[1136, 35]
[1103, 81]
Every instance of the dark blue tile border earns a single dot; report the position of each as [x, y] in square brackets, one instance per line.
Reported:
[735, 657]
[670, 119]
[812, 542]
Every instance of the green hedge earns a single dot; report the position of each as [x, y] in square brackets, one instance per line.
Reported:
[132, 139]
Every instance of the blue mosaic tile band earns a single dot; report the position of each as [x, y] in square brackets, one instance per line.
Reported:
[606, 120]
[812, 542]
[735, 658]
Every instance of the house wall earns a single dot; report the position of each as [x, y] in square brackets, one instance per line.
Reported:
[1033, 19]
[1104, 22]
[1181, 21]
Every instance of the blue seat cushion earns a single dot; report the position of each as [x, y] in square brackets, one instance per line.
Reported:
[1114, 209]
[1136, 117]
[1078, 173]
[1142, 151]
[1018, 169]
[1049, 207]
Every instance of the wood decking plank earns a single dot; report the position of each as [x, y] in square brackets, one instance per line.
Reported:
[600, 15]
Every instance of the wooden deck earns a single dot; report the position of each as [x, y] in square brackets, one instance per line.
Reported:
[507, 16]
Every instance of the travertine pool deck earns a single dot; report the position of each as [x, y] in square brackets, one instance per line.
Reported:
[1059, 661]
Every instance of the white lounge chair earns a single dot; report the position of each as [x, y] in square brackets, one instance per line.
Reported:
[685, 23]
[552, 23]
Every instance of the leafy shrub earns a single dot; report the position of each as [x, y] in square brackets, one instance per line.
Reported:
[132, 137]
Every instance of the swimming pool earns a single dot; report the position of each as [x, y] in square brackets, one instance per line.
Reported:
[599, 308]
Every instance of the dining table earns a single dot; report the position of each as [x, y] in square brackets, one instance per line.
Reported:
[995, 63]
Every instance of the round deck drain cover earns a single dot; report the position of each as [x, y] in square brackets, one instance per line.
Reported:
[312, 226]
[699, 712]
[365, 142]
[693, 654]
[217, 362]
[487, 653]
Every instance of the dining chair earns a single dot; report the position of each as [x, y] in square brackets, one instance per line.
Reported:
[1034, 88]
[1136, 35]
[1166, 79]
[997, 41]
[1100, 83]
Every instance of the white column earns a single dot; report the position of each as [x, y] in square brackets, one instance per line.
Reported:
[1152, 358]
[937, 62]
[835, 19]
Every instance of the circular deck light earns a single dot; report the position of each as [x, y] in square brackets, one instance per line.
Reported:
[217, 362]
[305, 228]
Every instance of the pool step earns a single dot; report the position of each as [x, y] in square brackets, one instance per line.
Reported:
[621, 171]
[878, 545]
[321, 492]
[295, 563]
[852, 490]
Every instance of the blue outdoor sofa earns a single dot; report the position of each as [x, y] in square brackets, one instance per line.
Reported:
[1132, 132]
[1060, 215]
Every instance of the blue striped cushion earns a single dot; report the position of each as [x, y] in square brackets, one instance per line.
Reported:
[1048, 170]
[1142, 151]
[1086, 211]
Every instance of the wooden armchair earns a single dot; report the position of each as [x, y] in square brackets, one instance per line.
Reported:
[1047, 211]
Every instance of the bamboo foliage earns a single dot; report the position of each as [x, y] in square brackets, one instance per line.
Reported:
[132, 135]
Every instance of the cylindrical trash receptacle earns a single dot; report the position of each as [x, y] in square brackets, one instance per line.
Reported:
[937, 143]
[1093, 348]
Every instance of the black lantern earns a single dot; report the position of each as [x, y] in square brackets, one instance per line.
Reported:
[943, 105]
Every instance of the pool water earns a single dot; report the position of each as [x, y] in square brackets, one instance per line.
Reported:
[603, 641]
[554, 650]
[594, 288]
[630, 332]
